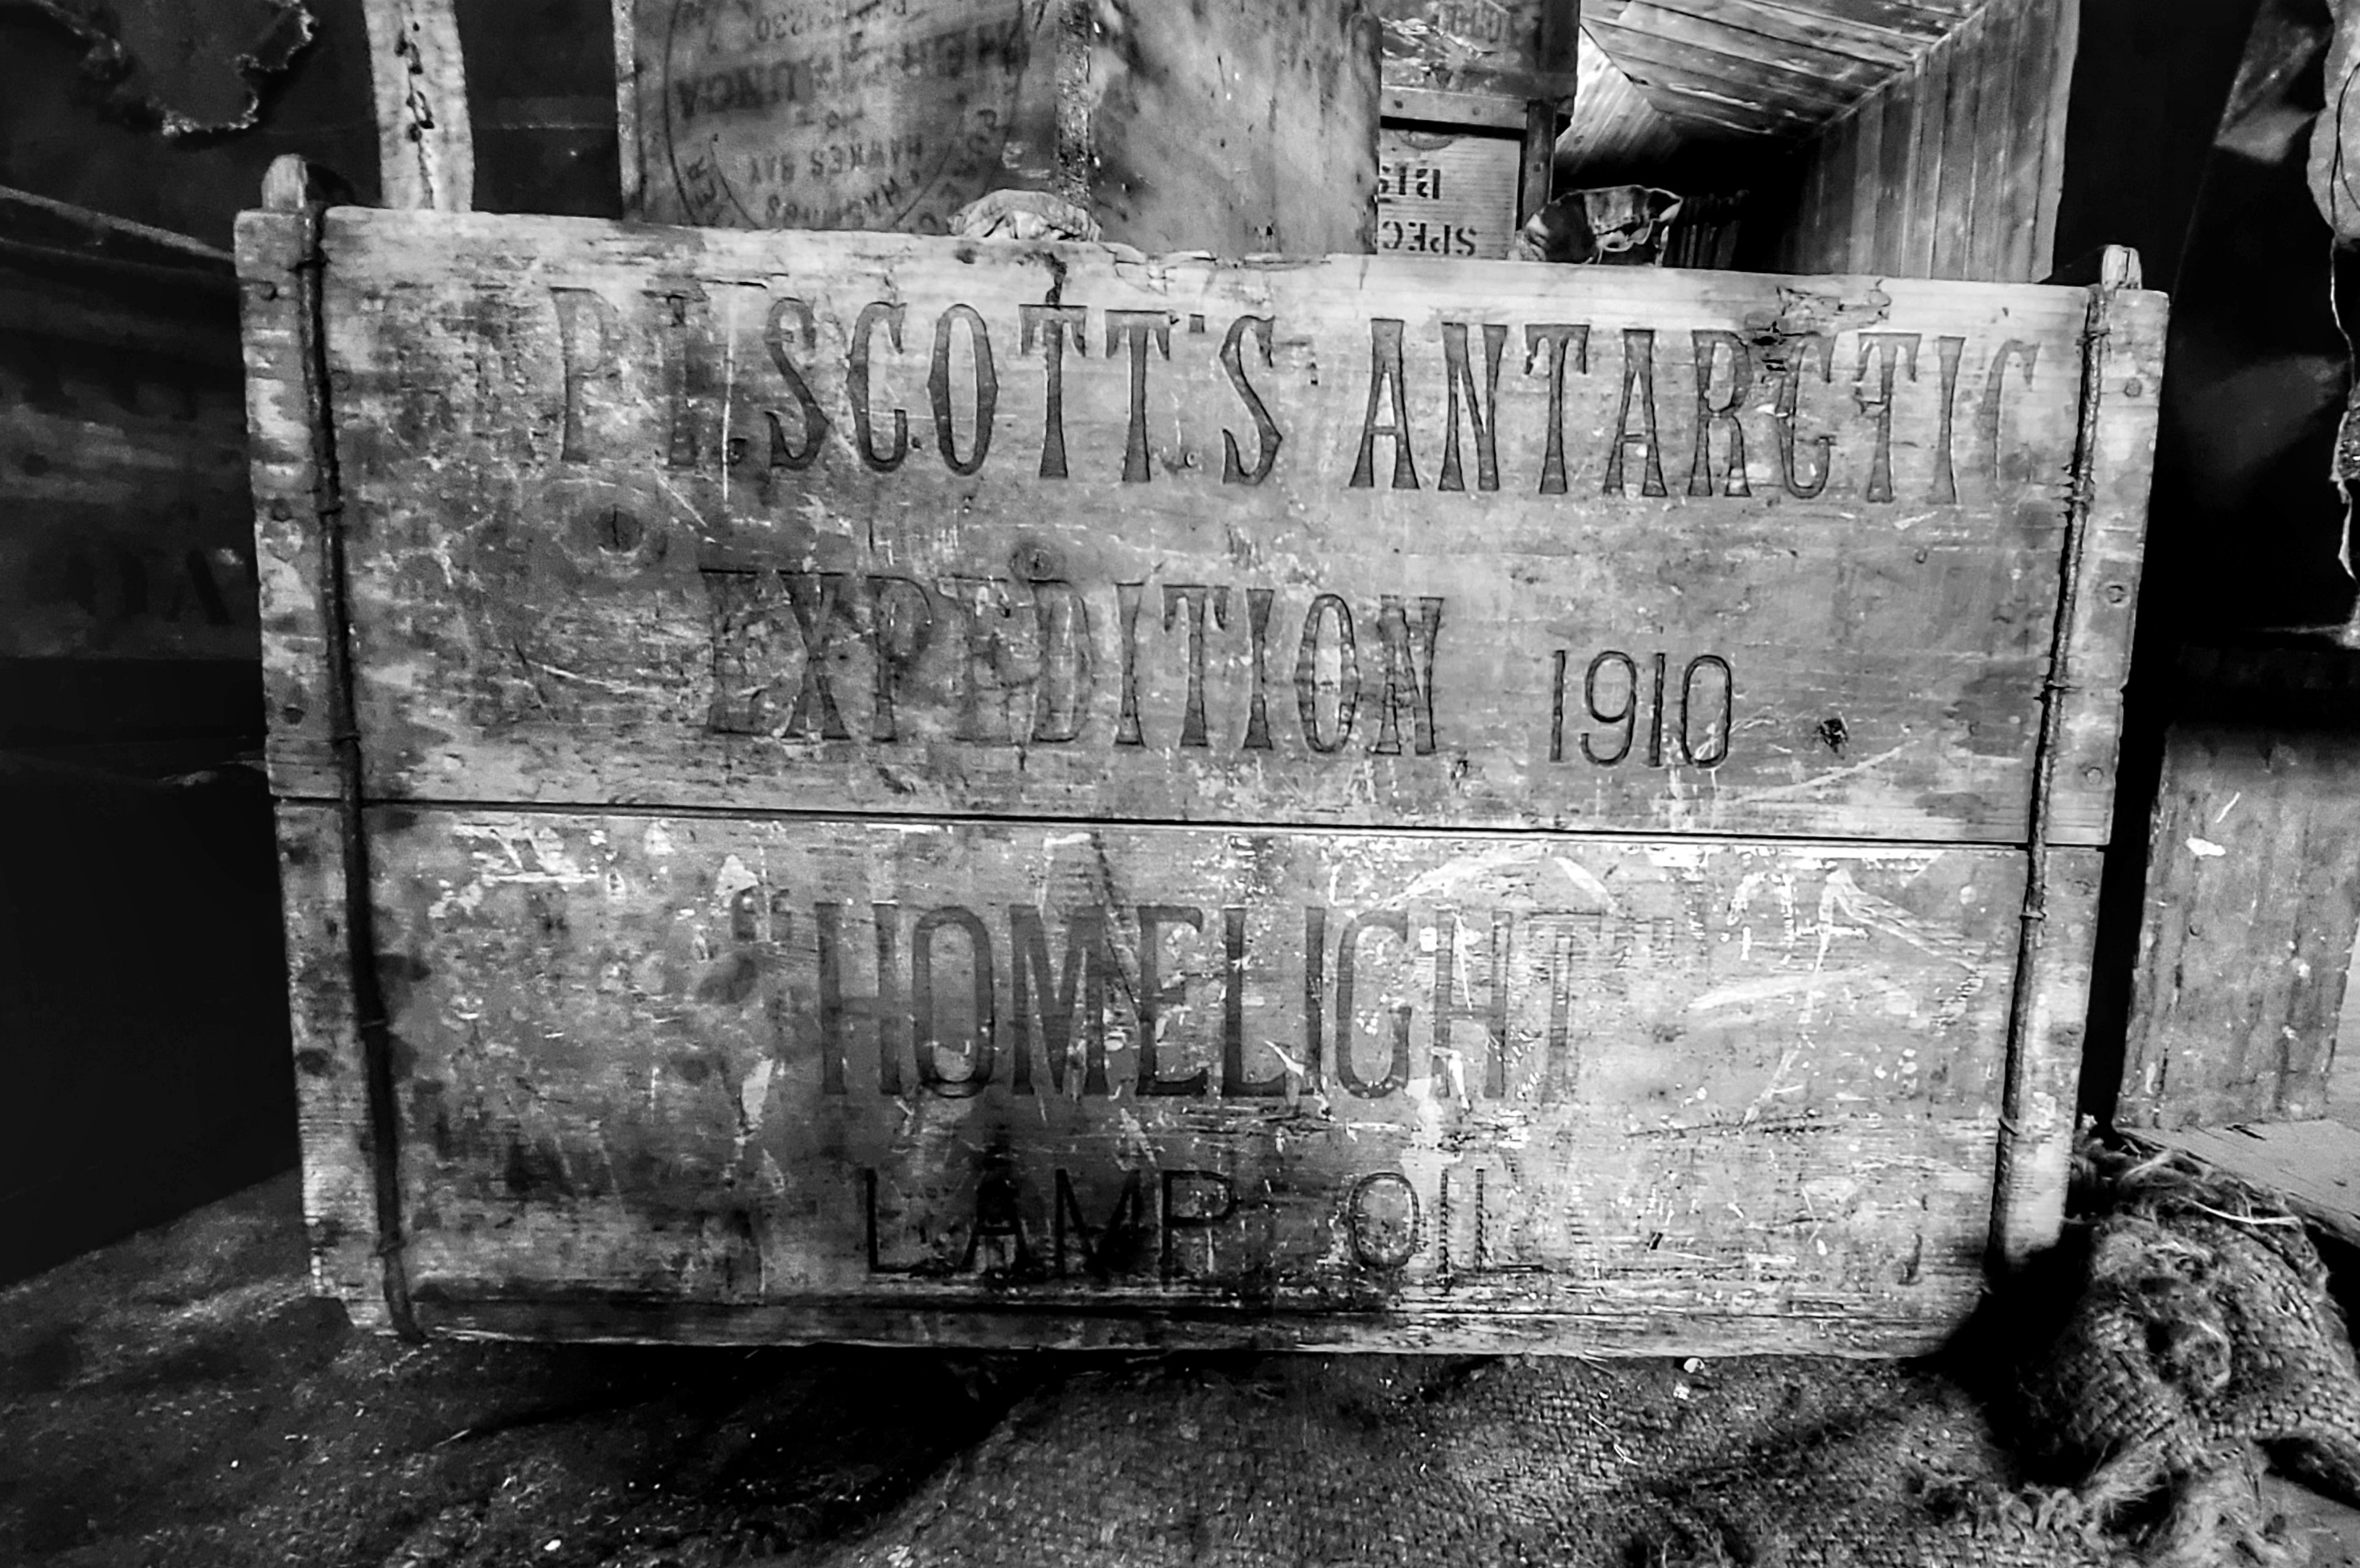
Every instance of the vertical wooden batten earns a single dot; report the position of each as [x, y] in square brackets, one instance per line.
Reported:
[2074, 764]
[343, 1071]
[426, 155]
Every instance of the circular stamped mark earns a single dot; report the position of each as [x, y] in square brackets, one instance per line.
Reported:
[849, 113]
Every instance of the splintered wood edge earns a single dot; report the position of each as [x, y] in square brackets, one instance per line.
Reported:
[331, 1100]
[270, 248]
[2030, 1209]
[426, 150]
[1673, 1332]
[330, 1078]
[2128, 380]
[629, 162]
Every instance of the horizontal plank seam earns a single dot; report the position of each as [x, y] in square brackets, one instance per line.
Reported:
[993, 819]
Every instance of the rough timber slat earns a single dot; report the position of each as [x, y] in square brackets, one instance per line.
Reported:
[827, 876]
[645, 1059]
[340, 1218]
[613, 626]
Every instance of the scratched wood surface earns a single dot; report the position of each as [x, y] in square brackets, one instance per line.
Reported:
[598, 532]
[1148, 876]
[2250, 920]
[1235, 125]
[711, 1061]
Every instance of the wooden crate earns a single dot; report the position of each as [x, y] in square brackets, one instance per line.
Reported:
[896, 789]
[1448, 190]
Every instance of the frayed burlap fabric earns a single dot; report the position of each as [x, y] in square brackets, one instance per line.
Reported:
[2203, 1340]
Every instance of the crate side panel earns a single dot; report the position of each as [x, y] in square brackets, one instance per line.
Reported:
[1540, 1092]
[605, 551]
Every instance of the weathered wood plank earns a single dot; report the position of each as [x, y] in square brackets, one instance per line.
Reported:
[2063, 21]
[271, 247]
[1929, 95]
[1810, 33]
[2002, 130]
[1619, 135]
[1463, 110]
[426, 152]
[1966, 141]
[2034, 94]
[1439, 194]
[670, 555]
[331, 1082]
[2251, 916]
[582, 584]
[1899, 114]
[2125, 398]
[1866, 126]
[1700, 93]
[1831, 244]
[2035, 1172]
[1590, 1085]
[1760, 78]
[2313, 1166]
[1236, 126]
[1757, 38]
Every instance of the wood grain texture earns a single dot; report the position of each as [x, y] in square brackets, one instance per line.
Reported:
[1232, 127]
[426, 152]
[2251, 916]
[1754, 71]
[1883, 654]
[2006, 95]
[1960, 129]
[2125, 384]
[287, 545]
[2052, 37]
[659, 1060]
[2313, 1166]
[331, 1084]
[1617, 136]
[1982, 115]
[1239, 127]
[2029, 1206]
